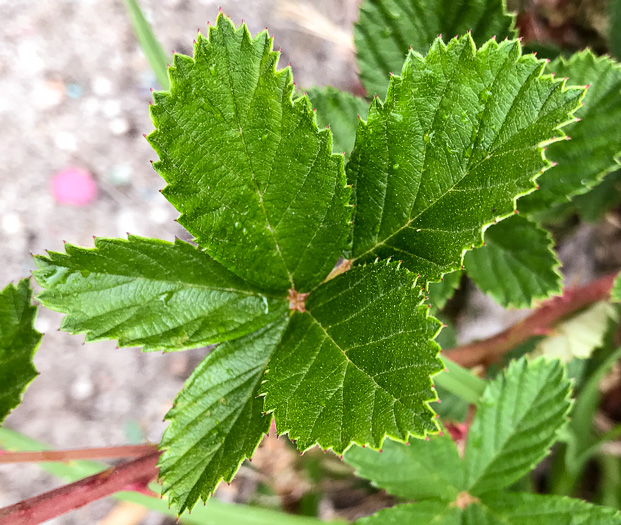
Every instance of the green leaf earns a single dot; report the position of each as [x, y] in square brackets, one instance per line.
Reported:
[453, 146]
[534, 509]
[516, 422]
[356, 366]
[461, 382]
[217, 420]
[255, 181]
[595, 145]
[614, 31]
[610, 484]
[598, 201]
[580, 428]
[18, 343]
[545, 50]
[158, 59]
[440, 293]
[517, 265]
[423, 470]
[447, 338]
[426, 512]
[151, 293]
[615, 293]
[451, 407]
[500, 508]
[578, 336]
[386, 29]
[341, 112]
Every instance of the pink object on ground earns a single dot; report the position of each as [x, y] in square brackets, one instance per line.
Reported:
[74, 186]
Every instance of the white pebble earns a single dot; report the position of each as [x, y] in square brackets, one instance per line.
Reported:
[111, 108]
[118, 126]
[46, 95]
[65, 141]
[28, 57]
[126, 223]
[159, 215]
[12, 223]
[82, 388]
[42, 324]
[101, 86]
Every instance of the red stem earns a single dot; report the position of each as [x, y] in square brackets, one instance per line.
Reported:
[51, 504]
[540, 322]
[126, 451]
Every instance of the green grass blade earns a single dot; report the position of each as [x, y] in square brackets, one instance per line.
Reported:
[460, 381]
[149, 44]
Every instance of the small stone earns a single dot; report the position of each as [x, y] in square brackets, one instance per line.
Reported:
[101, 86]
[12, 223]
[74, 186]
[42, 324]
[48, 94]
[111, 108]
[82, 388]
[159, 215]
[126, 222]
[118, 126]
[65, 141]
[28, 56]
[73, 90]
[119, 175]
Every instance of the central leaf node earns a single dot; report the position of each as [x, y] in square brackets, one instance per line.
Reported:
[465, 499]
[297, 301]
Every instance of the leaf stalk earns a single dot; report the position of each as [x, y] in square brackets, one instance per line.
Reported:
[540, 322]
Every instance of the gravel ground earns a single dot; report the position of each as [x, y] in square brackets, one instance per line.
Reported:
[75, 89]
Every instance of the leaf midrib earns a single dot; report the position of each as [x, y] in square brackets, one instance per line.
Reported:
[379, 387]
[541, 386]
[536, 277]
[249, 399]
[450, 189]
[455, 71]
[243, 141]
[167, 281]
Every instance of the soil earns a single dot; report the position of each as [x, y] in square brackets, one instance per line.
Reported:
[75, 88]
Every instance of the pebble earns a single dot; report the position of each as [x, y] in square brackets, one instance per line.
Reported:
[118, 126]
[82, 388]
[119, 175]
[28, 56]
[65, 141]
[48, 94]
[111, 108]
[12, 223]
[159, 215]
[74, 186]
[126, 223]
[89, 106]
[42, 324]
[101, 86]
[73, 90]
